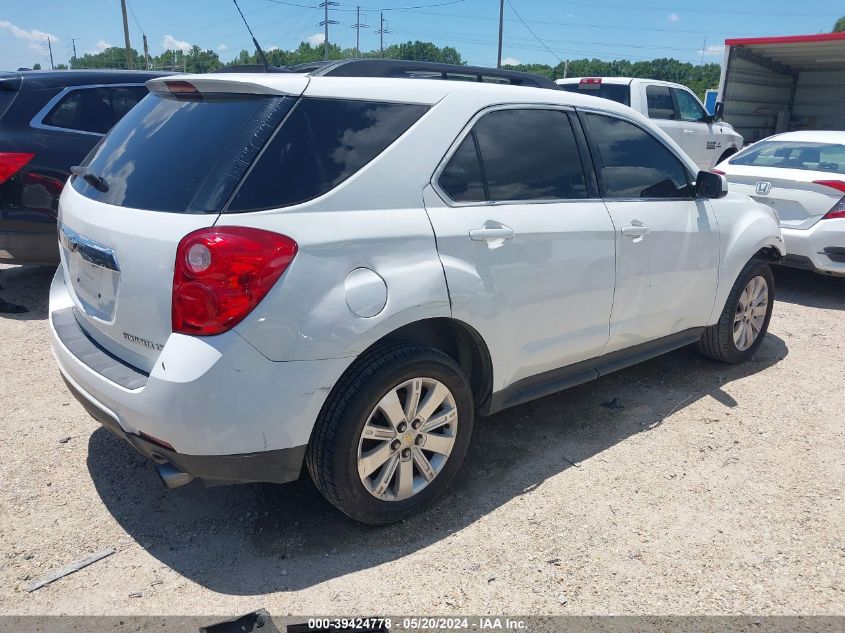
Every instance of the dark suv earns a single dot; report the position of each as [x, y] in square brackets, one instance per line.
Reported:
[49, 121]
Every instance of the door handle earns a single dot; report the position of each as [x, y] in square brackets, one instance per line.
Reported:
[636, 229]
[689, 131]
[491, 231]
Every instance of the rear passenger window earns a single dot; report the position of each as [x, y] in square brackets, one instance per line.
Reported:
[321, 143]
[462, 179]
[526, 154]
[94, 109]
[634, 164]
[660, 104]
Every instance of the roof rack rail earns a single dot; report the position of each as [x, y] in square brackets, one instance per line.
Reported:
[252, 68]
[427, 70]
[403, 69]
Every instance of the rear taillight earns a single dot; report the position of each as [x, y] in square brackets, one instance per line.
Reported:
[11, 163]
[718, 171]
[222, 273]
[838, 210]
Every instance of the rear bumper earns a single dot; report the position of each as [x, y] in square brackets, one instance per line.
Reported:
[277, 466]
[819, 247]
[228, 413]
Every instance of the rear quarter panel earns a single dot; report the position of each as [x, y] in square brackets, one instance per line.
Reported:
[375, 220]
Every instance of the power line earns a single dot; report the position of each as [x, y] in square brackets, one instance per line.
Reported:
[587, 26]
[638, 7]
[380, 9]
[536, 37]
[133, 17]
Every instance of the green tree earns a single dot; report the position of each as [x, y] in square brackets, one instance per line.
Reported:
[113, 57]
[200, 61]
[839, 27]
[36, 67]
[422, 52]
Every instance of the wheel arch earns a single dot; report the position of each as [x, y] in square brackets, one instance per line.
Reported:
[727, 153]
[458, 340]
[455, 338]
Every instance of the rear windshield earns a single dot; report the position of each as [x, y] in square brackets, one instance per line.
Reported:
[180, 155]
[794, 155]
[621, 93]
[189, 156]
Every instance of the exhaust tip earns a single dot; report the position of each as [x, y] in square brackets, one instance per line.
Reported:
[172, 476]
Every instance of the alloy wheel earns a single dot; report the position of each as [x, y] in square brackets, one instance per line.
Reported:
[407, 439]
[750, 313]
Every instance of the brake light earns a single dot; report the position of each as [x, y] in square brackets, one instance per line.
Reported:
[718, 171]
[222, 273]
[838, 210]
[11, 163]
[589, 83]
[183, 89]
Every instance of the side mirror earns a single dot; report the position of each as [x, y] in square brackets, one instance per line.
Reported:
[710, 185]
[718, 111]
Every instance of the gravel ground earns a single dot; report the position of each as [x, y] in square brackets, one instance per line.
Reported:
[707, 489]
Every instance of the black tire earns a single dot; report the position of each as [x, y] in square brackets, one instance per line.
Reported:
[717, 341]
[332, 455]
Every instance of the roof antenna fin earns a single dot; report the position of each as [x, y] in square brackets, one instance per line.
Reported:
[254, 41]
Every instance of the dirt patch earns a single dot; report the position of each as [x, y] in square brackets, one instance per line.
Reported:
[705, 488]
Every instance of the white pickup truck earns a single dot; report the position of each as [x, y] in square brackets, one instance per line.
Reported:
[673, 107]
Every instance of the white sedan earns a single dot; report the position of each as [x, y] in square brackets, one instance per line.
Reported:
[802, 176]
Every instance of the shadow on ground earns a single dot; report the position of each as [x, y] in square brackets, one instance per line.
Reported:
[809, 289]
[27, 287]
[256, 539]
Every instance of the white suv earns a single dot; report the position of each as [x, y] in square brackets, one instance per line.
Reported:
[264, 270]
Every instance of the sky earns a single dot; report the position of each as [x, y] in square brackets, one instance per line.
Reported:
[536, 31]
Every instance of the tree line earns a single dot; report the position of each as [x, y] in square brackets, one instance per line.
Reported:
[197, 60]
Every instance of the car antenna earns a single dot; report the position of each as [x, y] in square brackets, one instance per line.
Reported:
[254, 41]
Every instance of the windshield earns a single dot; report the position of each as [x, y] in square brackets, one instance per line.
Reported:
[179, 155]
[794, 155]
[620, 93]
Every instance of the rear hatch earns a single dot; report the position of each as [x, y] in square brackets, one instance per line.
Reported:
[798, 195]
[165, 170]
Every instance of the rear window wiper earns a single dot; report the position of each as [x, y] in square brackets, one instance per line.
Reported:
[98, 182]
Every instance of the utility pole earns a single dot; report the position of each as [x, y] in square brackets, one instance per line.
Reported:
[146, 53]
[501, 31]
[50, 47]
[325, 24]
[126, 35]
[358, 26]
[381, 33]
[73, 42]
